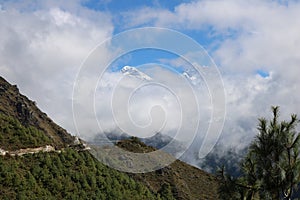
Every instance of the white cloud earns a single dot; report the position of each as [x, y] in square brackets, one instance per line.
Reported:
[265, 33]
[42, 47]
[167, 103]
[43, 44]
[250, 35]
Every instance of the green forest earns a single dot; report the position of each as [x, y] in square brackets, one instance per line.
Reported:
[70, 174]
[67, 175]
[270, 169]
[16, 136]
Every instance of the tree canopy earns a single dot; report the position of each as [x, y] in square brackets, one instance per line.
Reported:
[271, 168]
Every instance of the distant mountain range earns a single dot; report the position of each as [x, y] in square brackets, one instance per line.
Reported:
[218, 157]
[136, 73]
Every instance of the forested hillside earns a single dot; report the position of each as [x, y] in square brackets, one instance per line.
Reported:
[66, 175]
[40, 160]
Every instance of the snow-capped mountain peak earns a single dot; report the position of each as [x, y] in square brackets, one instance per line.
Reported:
[192, 77]
[134, 72]
[189, 76]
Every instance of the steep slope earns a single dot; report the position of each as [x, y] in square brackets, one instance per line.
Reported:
[70, 172]
[183, 180]
[18, 111]
[37, 173]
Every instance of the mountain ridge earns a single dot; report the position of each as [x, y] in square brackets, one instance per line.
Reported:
[69, 173]
[185, 181]
[16, 105]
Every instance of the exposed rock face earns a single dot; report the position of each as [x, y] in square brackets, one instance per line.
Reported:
[14, 104]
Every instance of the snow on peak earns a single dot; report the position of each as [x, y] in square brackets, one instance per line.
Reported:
[134, 72]
[189, 76]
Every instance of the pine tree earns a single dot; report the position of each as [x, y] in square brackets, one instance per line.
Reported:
[271, 169]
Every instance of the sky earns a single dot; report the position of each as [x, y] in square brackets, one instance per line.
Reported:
[254, 44]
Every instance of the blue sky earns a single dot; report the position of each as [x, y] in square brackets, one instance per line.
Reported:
[140, 57]
[255, 45]
[206, 37]
[123, 5]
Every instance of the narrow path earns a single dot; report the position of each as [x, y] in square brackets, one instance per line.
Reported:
[21, 152]
[47, 148]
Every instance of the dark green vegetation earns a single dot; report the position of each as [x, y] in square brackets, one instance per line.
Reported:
[18, 109]
[271, 168]
[66, 175]
[71, 172]
[15, 136]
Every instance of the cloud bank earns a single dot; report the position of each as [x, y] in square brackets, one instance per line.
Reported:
[43, 44]
[247, 36]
